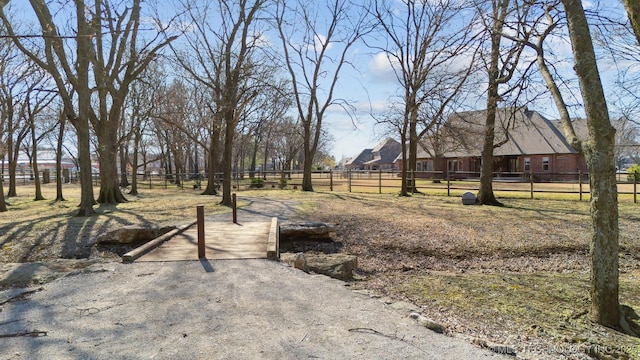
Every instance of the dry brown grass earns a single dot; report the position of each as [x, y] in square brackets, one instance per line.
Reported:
[39, 230]
[517, 275]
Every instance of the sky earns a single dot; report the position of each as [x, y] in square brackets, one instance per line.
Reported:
[368, 84]
[371, 83]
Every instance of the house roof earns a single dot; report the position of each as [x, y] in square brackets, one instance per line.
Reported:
[527, 133]
[364, 156]
[385, 152]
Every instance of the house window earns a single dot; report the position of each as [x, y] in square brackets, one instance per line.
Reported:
[428, 165]
[545, 163]
[527, 164]
[453, 165]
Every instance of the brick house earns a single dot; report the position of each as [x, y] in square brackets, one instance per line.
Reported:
[530, 144]
[381, 157]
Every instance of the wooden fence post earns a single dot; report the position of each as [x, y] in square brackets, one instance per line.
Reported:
[531, 181]
[349, 179]
[200, 221]
[330, 180]
[580, 183]
[380, 181]
[448, 185]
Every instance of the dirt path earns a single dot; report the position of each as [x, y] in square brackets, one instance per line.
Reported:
[245, 309]
[259, 209]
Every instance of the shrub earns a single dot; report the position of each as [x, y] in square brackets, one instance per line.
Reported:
[633, 170]
[257, 183]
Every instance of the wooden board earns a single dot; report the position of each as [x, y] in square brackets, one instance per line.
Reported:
[223, 240]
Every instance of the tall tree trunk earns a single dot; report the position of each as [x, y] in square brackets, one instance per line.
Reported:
[599, 154]
[106, 130]
[13, 167]
[633, 13]
[254, 158]
[81, 122]
[413, 149]
[266, 158]
[308, 158]
[34, 162]
[62, 121]
[84, 163]
[227, 160]
[211, 177]
[13, 146]
[124, 155]
[134, 165]
[109, 185]
[404, 191]
[485, 194]
[3, 204]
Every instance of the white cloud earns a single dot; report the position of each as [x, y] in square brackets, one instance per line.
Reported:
[261, 40]
[319, 41]
[381, 68]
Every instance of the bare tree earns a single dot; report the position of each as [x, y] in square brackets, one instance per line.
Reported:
[114, 60]
[504, 17]
[59, 142]
[67, 71]
[627, 140]
[426, 41]
[633, 12]
[142, 106]
[5, 107]
[14, 73]
[118, 57]
[221, 58]
[268, 107]
[599, 151]
[315, 58]
[36, 102]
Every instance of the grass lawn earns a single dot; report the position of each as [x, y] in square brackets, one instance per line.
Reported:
[516, 275]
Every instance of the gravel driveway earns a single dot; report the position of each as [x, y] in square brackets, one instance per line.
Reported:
[233, 309]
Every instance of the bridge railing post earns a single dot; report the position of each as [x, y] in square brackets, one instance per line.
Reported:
[200, 221]
[235, 210]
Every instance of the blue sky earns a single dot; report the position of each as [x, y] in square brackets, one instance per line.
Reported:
[369, 85]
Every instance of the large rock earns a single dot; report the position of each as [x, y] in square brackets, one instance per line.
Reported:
[468, 198]
[306, 230]
[133, 234]
[337, 266]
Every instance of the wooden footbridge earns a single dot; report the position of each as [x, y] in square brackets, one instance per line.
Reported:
[212, 240]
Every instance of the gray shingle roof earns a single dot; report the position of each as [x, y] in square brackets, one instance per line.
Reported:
[385, 152]
[364, 156]
[529, 133]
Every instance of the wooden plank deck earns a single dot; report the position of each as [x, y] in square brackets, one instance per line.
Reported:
[223, 240]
